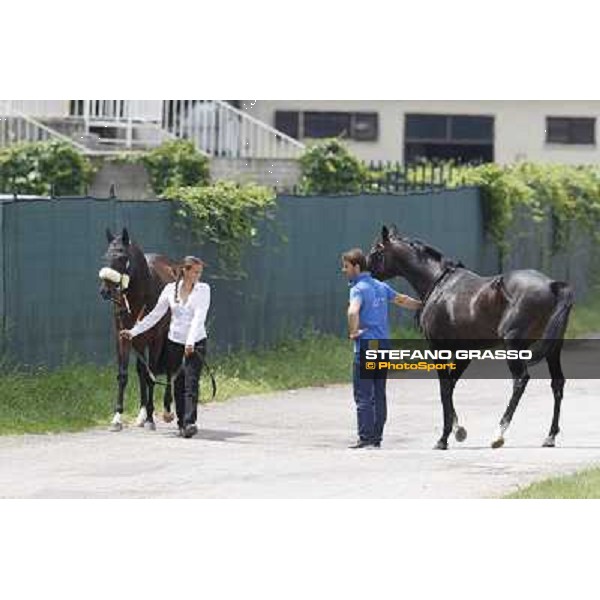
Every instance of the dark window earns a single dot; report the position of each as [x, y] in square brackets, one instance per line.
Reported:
[472, 128]
[288, 122]
[460, 153]
[360, 126]
[462, 138]
[570, 130]
[426, 127]
[326, 124]
[448, 128]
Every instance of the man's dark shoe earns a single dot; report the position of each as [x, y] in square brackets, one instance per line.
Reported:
[361, 444]
[190, 431]
[376, 444]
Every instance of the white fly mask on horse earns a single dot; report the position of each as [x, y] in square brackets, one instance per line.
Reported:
[120, 279]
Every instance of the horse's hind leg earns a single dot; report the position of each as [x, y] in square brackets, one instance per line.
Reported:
[518, 368]
[168, 401]
[558, 384]
[150, 424]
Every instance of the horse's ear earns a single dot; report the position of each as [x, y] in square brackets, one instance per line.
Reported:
[109, 236]
[125, 237]
[385, 234]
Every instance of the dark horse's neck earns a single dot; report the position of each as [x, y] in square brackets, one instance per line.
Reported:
[423, 277]
[140, 286]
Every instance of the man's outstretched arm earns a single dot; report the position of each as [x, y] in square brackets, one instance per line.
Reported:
[407, 302]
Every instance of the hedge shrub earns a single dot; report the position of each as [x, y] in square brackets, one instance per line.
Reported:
[176, 164]
[35, 167]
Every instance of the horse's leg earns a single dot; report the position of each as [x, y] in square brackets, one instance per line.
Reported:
[162, 364]
[448, 380]
[168, 401]
[518, 368]
[153, 360]
[460, 433]
[123, 364]
[558, 384]
[150, 424]
[446, 389]
[143, 378]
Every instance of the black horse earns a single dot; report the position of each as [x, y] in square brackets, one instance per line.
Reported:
[460, 306]
[133, 281]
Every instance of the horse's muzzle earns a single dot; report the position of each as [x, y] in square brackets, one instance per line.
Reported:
[105, 292]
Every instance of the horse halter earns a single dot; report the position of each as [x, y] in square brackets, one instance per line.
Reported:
[121, 281]
[377, 259]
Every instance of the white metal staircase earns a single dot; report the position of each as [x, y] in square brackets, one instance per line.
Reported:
[104, 126]
[16, 126]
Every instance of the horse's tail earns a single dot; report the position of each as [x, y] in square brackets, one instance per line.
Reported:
[557, 322]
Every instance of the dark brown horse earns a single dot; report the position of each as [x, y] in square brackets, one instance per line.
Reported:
[133, 281]
[523, 309]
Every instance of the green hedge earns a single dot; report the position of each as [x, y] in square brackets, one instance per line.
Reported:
[37, 168]
[175, 164]
[567, 194]
[330, 168]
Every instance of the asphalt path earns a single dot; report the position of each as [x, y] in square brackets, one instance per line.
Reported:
[293, 444]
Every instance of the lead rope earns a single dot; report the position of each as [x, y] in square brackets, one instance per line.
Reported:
[157, 381]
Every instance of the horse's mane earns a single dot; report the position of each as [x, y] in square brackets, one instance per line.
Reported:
[426, 251]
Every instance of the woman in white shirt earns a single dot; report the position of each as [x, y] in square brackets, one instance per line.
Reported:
[189, 300]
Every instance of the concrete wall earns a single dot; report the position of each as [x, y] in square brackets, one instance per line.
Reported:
[131, 181]
[283, 174]
[519, 124]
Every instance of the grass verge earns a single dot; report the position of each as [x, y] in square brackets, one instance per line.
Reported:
[585, 484]
[80, 396]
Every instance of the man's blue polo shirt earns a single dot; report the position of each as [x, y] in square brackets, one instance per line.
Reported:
[374, 296]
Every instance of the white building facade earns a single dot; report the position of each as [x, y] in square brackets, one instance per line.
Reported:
[472, 130]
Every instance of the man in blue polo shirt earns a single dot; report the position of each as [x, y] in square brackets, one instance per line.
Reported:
[368, 320]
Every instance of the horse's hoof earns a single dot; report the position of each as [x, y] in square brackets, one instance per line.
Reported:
[150, 426]
[168, 416]
[441, 445]
[460, 435]
[116, 427]
[549, 442]
[498, 443]
[142, 417]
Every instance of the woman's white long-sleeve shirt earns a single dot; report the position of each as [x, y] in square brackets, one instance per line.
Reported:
[187, 319]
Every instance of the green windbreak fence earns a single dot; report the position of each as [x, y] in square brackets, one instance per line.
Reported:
[51, 252]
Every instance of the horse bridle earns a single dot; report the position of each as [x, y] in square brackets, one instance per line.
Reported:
[121, 285]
